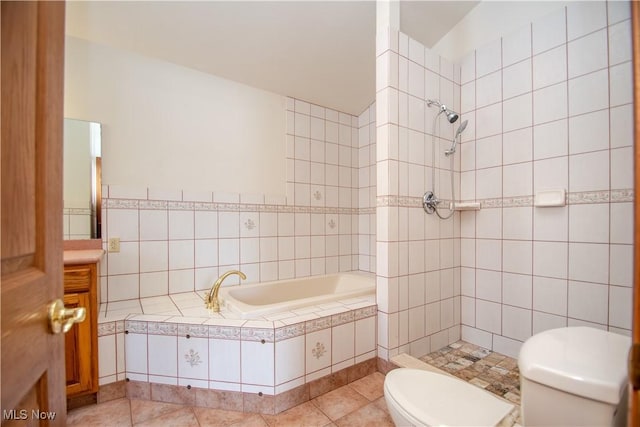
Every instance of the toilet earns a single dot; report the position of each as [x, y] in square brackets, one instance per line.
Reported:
[572, 376]
[416, 397]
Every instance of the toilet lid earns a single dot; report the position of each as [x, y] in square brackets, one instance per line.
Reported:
[585, 361]
[440, 400]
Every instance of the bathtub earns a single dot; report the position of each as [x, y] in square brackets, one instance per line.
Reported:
[251, 301]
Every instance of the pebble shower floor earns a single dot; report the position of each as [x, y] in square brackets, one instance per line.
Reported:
[484, 368]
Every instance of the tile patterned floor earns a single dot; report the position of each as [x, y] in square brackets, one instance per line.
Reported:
[484, 368]
[360, 403]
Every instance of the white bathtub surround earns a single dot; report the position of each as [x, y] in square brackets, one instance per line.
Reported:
[418, 256]
[176, 341]
[562, 120]
[178, 246]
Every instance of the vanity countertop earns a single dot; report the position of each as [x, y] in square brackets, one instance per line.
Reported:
[82, 256]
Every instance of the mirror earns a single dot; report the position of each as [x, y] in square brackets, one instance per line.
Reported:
[82, 180]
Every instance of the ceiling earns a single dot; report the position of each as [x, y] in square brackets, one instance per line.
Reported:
[322, 52]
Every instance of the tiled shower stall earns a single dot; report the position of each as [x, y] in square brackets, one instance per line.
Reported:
[549, 107]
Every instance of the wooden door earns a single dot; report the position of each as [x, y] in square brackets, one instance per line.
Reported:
[634, 363]
[32, 54]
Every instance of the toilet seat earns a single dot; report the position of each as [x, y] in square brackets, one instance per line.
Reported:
[433, 399]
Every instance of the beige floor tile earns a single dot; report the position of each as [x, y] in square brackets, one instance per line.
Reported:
[371, 386]
[114, 413]
[219, 417]
[338, 403]
[253, 420]
[368, 416]
[183, 417]
[143, 410]
[306, 414]
[382, 404]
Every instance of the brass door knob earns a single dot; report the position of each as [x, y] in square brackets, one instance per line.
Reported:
[61, 319]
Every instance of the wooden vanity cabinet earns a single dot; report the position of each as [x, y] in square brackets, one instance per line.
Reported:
[81, 342]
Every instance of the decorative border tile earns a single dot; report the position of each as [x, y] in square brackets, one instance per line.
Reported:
[290, 331]
[180, 206]
[362, 313]
[576, 198]
[153, 204]
[588, 197]
[622, 195]
[120, 203]
[257, 334]
[205, 206]
[318, 324]
[514, 202]
[386, 201]
[490, 203]
[162, 328]
[107, 328]
[201, 331]
[135, 327]
[412, 202]
[224, 332]
[119, 326]
[342, 318]
[226, 207]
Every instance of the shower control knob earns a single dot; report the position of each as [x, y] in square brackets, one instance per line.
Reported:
[430, 202]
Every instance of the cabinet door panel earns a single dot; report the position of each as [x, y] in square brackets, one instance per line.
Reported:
[78, 348]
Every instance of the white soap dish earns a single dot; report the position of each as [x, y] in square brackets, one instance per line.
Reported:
[467, 206]
[550, 198]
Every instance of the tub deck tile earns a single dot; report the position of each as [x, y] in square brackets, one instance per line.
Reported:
[280, 315]
[150, 317]
[299, 319]
[159, 308]
[189, 308]
[225, 322]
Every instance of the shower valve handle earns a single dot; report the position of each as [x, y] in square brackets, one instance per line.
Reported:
[430, 202]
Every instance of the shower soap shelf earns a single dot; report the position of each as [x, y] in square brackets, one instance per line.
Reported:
[467, 206]
[550, 198]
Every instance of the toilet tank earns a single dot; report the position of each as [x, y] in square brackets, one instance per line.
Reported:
[570, 372]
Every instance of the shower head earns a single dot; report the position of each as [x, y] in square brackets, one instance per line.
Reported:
[461, 129]
[452, 116]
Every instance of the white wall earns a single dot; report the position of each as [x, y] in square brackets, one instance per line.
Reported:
[170, 127]
[549, 107]
[77, 165]
[489, 21]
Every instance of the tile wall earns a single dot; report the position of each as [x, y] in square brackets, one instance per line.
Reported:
[367, 190]
[549, 107]
[76, 223]
[418, 264]
[248, 356]
[181, 240]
